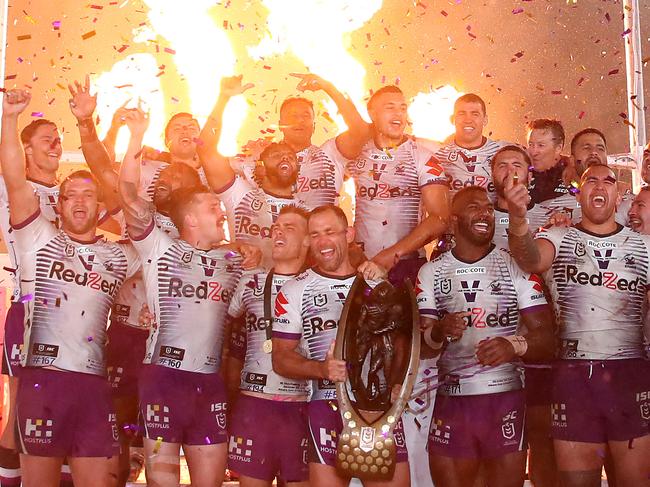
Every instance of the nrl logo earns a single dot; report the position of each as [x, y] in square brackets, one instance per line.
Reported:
[187, 257]
[445, 286]
[256, 205]
[69, 250]
[320, 300]
[580, 249]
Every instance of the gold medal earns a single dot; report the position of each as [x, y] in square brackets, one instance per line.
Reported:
[267, 346]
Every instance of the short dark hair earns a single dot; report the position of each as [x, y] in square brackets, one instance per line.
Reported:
[294, 210]
[511, 148]
[272, 146]
[177, 116]
[296, 99]
[588, 130]
[340, 214]
[470, 98]
[555, 126]
[381, 91]
[459, 197]
[182, 169]
[82, 174]
[181, 200]
[28, 132]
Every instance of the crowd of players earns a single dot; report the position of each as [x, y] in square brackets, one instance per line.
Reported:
[532, 306]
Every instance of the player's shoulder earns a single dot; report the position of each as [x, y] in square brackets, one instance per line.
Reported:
[295, 287]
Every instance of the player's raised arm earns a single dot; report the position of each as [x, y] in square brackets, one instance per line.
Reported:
[216, 166]
[23, 203]
[82, 106]
[137, 211]
[350, 142]
[532, 255]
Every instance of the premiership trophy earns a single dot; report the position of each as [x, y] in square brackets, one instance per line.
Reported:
[379, 337]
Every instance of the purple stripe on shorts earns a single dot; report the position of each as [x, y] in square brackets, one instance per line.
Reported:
[286, 336]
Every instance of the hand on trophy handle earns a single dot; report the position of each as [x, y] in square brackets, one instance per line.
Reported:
[495, 351]
[333, 369]
[372, 271]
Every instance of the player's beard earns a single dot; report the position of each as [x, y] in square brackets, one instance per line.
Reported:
[281, 180]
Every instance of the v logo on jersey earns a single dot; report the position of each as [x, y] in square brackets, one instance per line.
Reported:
[470, 292]
[208, 265]
[52, 203]
[376, 171]
[89, 262]
[602, 257]
[280, 302]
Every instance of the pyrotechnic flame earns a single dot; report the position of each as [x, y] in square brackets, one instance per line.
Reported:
[316, 31]
[430, 113]
[132, 78]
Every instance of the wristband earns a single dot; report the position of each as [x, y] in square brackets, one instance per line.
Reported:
[428, 339]
[519, 343]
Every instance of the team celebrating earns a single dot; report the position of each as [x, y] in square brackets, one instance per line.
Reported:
[209, 324]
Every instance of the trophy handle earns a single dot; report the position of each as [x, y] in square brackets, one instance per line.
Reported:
[367, 450]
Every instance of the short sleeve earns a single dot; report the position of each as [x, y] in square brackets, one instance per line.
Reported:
[529, 287]
[232, 194]
[424, 291]
[430, 170]
[287, 318]
[152, 244]
[236, 306]
[338, 160]
[33, 233]
[553, 234]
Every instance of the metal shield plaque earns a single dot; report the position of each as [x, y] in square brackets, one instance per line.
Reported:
[379, 337]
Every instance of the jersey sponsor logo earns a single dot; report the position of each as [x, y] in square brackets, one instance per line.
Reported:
[470, 270]
[609, 280]
[377, 170]
[43, 354]
[434, 166]
[87, 262]
[558, 415]
[384, 191]
[475, 180]
[320, 300]
[305, 184]
[603, 257]
[495, 288]
[220, 409]
[253, 323]
[280, 303]
[643, 398]
[538, 283]
[595, 244]
[157, 416]
[630, 261]
[480, 318]
[240, 448]
[246, 226]
[208, 290]
[469, 290]
[254, 378]
[93, 280]
[318, 325]
[440, 433]
[327, 439]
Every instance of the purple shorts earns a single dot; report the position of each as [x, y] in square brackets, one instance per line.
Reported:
[13, 341]
[478, 427]
[63, 414]
[325, 425]
[268, 439]
[538, 386]
[600, 401]
[182, 407]
[124, 354]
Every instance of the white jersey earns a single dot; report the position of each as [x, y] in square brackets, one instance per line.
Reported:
[48, 196]
[68, 288]
[495, 291]
[188, 292]
[599, 284]
[320, 174]
[308, 309]
[389, 186]
[537, 216]
[257, 374]
[251, 212]
[133, 296]
[469, 167]
[149, 173]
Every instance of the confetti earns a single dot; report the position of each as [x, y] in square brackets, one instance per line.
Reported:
[56, 25]
[24, 37]
[518, 10]
[88, 35]
[26, 297]
[37, 114]
[90, 339]
[156, 446]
